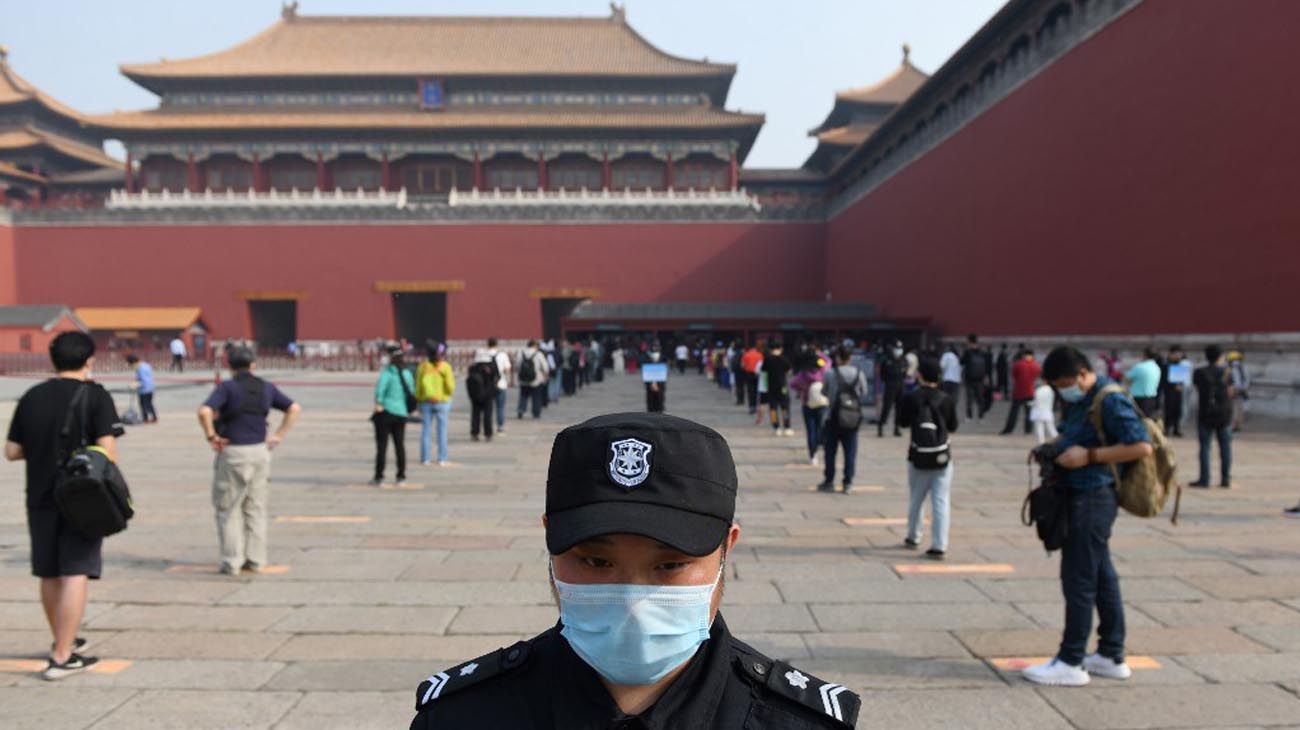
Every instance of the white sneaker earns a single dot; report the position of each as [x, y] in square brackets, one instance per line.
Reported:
[1106, 667]
[1057, 674]
[788, 432]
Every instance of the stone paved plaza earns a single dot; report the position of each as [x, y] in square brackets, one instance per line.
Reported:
[381, 588]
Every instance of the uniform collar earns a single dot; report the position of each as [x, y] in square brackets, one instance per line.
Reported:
[691, 700]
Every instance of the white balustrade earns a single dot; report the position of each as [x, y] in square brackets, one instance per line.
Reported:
[626, 197]
[145, 200]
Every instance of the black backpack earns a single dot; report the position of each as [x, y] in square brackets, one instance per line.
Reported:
[847, 406]
[929, 450]
[1216, 403]
[975, 366]
[527, 370]
[480, 382]
[89, 489]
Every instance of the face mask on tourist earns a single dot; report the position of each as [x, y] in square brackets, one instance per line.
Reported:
[1072, 394]
[635, 634]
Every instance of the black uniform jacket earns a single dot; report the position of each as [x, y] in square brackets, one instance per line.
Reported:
[542, 683]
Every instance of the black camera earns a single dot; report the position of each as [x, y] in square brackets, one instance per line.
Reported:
[1045, 456]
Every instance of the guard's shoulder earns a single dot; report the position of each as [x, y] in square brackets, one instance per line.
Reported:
[798, 691]
[461, 677]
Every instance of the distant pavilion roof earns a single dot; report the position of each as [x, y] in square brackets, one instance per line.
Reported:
[495, 118]
[138, 318]
[13, 172]
[435, 46]
[27, 137]
[893, 89]
[44, 316]
[14, 89]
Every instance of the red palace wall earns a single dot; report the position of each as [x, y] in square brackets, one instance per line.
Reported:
[8, 286]
[1146, 182]
[337, 267]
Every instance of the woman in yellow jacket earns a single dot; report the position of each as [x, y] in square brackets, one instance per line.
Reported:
[434, 385]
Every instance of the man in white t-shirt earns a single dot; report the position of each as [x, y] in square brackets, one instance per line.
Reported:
[177, 347]
[950, 364]
[682, 354]
[506, 371]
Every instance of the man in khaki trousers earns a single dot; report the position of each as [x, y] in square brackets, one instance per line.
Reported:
[233, 419]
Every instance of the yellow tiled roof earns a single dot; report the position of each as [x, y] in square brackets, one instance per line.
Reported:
[138, 318]
[893, 89]
[438, 47]
[24, 137]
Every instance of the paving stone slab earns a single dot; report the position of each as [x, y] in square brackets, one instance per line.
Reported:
[160, 644]
[384, 646]
[353, 710]
[199, 710]
[820, 590]
[183, 674]
[318, 593]
[1051, 614]
[959, 709]
[1280, 638]
[868, 645]
[359, 675]
[744, 620]
[863, 674]
[198, 618]
[863, 617]
[1135, 708]
[367, 620]
[1282, 587]
[1221, 613]
[63, 706]
[1246, 667]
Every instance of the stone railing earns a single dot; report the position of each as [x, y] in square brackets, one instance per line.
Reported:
[144, 200]
[606, 198]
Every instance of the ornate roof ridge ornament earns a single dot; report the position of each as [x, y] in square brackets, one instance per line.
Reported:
[289, 10]
[618, 13]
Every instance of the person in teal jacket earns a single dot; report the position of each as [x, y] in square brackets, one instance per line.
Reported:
[395, 386]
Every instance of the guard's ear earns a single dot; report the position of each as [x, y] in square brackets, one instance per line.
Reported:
[543, 522]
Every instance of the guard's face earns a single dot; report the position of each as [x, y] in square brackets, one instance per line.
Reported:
[637, 560]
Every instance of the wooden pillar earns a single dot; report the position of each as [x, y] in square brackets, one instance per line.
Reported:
[320, 172]
[606, 174]
[733, 173]
[257, 173]
[130, 174]
[541, 172]
[668, 173]
[385, 183]
[192, 174]
[478, 172]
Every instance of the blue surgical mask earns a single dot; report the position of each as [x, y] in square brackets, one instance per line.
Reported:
[635, 634]
[1072, 394]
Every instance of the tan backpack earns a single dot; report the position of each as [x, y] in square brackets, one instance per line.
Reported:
[1147, 483]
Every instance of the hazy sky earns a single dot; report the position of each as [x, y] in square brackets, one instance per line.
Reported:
[792, 56]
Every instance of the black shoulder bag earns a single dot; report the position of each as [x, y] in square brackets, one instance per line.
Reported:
[89, 489]
[1047, 507]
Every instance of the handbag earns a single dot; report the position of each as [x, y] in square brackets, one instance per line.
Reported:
[89, 489]
[411, 403]
[1047, 508]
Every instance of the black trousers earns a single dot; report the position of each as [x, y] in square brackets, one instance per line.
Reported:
[480, 414]
[1088, 578]
[568, 382]
[681, 367]
[1016, 405]
[654, 397]
[533, 394]
[975, 399]
[738, 382]
[178, 363]
[1150, 407]
[1173, 411]
[146, 407]
[388, 426]
[953, 390]
[751, 390]
[891, 400]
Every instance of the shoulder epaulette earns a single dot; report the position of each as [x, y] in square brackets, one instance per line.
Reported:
[470, 673]
[826, 698]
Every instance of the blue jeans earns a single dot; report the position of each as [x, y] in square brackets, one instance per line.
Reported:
[502, 396]
[1205, 433]
[553, 387]
[835, 438]
[812, 426]
[937, 483]
[1088, 578]
[428, 410]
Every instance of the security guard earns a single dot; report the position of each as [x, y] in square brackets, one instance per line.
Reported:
[639, 522]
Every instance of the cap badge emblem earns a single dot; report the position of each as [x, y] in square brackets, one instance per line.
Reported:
[630, 465]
